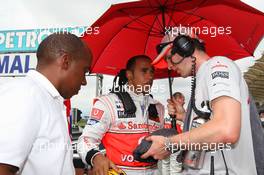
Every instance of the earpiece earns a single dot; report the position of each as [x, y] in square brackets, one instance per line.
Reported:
[183, 45]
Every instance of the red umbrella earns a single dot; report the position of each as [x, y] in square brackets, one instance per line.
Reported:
[228, 28]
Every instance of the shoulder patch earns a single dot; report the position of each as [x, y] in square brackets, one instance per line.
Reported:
[92, 121]
[97, 114]
[218, 65]
[220, 74]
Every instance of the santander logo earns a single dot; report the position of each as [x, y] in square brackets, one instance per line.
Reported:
[121, 125]
[132, 125]
[137, 126]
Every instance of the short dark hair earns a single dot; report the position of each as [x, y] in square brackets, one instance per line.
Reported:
[55, 44]
[132, 61]
[199, 45]
[177, 94]
[261, 111]
[121, 79]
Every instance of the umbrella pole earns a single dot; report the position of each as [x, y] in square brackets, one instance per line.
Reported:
[173, 117]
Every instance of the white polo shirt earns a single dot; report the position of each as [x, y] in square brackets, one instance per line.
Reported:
[33, 128]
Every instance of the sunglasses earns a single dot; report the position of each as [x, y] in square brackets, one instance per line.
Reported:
[159, 49]
[160, 46]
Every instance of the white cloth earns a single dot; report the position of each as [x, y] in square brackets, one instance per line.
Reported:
[33, 128]
[221, 77]
[120, 134]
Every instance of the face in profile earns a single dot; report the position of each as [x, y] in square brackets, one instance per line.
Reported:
[75, 76]
[261, 115]
[182, 66]
[180, 99]
[141, 77]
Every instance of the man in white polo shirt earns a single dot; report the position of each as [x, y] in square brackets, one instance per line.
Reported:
[34, 137]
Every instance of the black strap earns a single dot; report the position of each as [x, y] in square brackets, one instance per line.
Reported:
[152, 110]
[128, 103]
[186, 125]
[89, 155]
[222, 152]
[130, 107]
[212, 166]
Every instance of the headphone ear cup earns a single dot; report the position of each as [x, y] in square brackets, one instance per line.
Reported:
[183, 45]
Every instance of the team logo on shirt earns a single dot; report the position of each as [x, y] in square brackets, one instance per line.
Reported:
[121, 111]
[119, 105]
[219, 65]
[121, 126]
[97, 114]
[133, 125]
[220, 74]
[122, 114]
[92, 121]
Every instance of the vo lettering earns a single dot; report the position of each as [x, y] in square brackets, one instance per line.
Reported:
[127, 158]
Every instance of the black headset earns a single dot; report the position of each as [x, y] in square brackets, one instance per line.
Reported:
[183, 45]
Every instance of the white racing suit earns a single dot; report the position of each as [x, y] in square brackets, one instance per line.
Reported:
[120, 134]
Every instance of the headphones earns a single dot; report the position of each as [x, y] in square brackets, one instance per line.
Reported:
[183, 45]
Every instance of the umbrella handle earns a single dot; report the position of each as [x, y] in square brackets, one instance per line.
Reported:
[173, 117]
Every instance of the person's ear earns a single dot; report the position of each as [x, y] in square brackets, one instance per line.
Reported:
[129, 75]
[65, 61]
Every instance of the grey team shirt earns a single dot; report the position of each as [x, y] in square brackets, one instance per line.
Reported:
[221, 77]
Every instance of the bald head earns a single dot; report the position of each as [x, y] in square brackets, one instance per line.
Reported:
[177, 95]
[55, 45]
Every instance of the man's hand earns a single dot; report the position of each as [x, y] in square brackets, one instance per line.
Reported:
[157, 149]
[176, 108]
[102, 164]
[171, 107]
[7, 169]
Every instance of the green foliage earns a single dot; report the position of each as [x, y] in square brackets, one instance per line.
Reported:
[82, 123]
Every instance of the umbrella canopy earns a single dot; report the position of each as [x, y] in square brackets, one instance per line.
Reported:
[228, 28]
